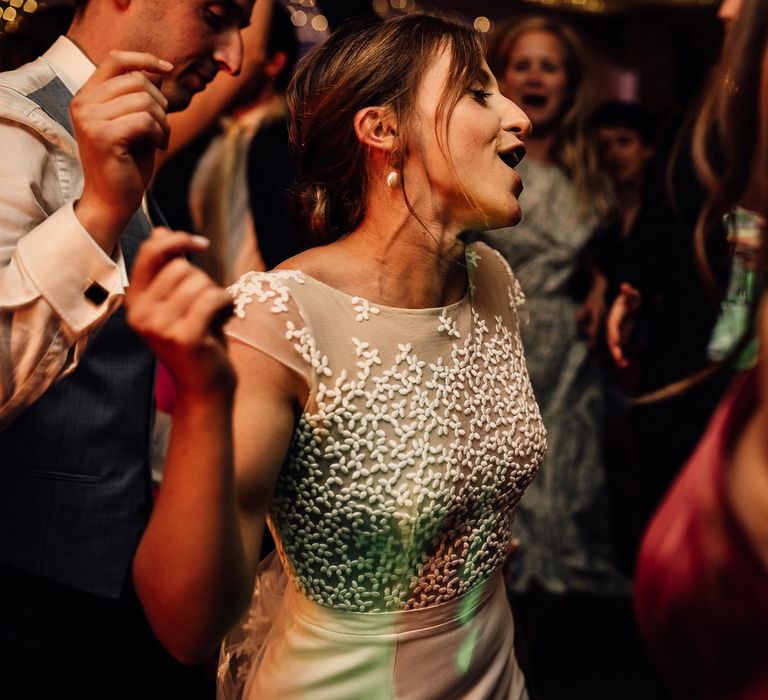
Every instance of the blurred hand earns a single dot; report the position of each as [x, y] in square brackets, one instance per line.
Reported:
[590, 316]
[179, 311]
[119, 119]
[621, 321]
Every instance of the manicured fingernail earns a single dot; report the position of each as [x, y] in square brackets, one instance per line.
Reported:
[201, 240]
[165, 65]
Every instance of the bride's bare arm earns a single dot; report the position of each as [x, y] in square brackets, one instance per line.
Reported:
[266, 403]
[195, 564]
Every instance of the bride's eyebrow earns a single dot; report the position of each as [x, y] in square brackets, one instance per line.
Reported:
[483, 77]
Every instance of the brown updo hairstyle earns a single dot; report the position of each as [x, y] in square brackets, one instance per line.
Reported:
[365, 63]
[573, 148]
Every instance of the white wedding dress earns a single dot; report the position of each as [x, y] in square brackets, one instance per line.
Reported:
[392, 514]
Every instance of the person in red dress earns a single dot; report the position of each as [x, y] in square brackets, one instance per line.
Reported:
[701, 593]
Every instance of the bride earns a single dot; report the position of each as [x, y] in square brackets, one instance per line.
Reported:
[383, 423]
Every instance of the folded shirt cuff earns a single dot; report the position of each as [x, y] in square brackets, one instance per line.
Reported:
[64, 263]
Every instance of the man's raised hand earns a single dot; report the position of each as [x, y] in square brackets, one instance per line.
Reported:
[119, 118]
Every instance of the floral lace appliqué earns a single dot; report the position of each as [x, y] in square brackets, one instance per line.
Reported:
[403, 472]
[411, 453]
[364, 309]
[515, 294]
[307, 348]
[473, 259]
[264, 287]
[448, 325]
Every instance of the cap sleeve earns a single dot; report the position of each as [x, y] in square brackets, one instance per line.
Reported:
[267, 317]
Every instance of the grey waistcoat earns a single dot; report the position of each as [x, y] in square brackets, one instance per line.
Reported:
[74, 466]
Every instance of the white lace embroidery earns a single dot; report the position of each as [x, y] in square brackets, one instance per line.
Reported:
[364, 309]
[448, 325]
[403, 472]
[264, 286]
[473, 260]
[515, 294]
[307, 349]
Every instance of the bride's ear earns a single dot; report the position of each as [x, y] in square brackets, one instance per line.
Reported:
[376, 128]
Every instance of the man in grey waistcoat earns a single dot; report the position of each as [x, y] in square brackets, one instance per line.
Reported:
[76, 384]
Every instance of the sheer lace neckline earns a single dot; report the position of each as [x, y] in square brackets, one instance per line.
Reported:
[357, 299]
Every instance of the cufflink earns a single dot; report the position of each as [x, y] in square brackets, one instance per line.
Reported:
[95, 293]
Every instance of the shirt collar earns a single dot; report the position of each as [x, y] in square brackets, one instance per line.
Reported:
[69, 63]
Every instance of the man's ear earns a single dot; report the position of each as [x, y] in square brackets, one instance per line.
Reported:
[376, 128]
[275, 64]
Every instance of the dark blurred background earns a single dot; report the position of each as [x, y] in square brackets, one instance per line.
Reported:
[655, 51]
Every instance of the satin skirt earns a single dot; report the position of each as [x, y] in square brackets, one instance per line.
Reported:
[460, 649]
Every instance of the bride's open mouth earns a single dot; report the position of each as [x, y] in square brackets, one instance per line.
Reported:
[512, 157]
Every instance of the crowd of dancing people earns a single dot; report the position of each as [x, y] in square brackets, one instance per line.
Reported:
[396, 369]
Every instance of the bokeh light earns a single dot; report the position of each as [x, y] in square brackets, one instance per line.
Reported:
[319, 23]
[482, 24]
[299, 18]
[13, 12]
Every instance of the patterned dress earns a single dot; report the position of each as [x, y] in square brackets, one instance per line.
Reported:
[564, 521]
[393, 511]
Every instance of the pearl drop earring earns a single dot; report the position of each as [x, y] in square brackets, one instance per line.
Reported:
[393, 179]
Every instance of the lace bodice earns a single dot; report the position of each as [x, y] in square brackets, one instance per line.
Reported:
[419, 437]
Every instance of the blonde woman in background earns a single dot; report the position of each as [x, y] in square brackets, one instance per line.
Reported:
[573, 602]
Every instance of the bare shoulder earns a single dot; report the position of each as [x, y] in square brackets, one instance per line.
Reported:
[313, 261]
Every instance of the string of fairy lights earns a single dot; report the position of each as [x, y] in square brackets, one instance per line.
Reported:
[12, 13]
[312, 26]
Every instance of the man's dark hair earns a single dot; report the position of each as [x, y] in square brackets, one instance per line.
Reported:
[282, 37]
[79, 5]
[628, 115]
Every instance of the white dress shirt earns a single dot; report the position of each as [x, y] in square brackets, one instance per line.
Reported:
[47, 258]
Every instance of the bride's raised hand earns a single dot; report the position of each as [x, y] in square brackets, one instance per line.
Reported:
[179, 312]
